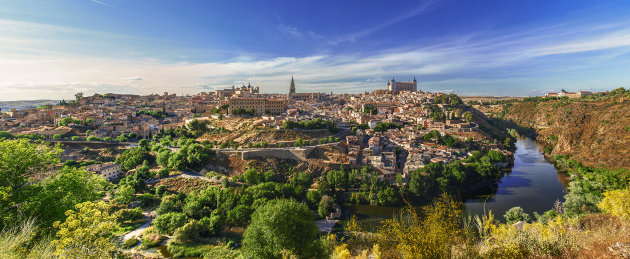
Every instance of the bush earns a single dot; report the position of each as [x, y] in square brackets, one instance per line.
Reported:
[169, 222]
[150, 238]
[516, 214]
[164, 172]
[187, 233]
[616, 202]
[148, 199]
[129, 243]
[128, 215]
[325, 206]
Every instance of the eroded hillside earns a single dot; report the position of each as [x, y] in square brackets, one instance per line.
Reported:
[596, 133]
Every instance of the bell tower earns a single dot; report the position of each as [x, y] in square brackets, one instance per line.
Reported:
[291, 89]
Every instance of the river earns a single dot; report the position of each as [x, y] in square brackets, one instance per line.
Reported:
[532, 183]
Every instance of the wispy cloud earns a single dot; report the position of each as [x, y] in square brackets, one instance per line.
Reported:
[351, 37]
[485, 62]
[293, 32]
[101, 3]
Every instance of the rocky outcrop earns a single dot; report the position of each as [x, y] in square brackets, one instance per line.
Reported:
[594, 133]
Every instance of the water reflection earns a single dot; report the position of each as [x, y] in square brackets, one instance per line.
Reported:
[533, 184]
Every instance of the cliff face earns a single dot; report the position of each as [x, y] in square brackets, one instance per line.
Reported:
[594, 133]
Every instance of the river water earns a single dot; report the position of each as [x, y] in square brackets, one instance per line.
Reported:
[532, 184]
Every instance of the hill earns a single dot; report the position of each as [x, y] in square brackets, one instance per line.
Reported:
[595, 131]
[23, 104]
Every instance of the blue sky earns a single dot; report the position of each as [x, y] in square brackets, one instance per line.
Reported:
[52, 49]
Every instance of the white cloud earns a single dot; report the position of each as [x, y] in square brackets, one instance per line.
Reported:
[31, 69]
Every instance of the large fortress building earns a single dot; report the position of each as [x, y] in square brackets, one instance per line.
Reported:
[402, 86]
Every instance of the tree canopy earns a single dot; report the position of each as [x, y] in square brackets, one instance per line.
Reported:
[282, 225]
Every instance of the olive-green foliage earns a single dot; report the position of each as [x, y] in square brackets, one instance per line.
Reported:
[13, 241]
[129, 243]
[414, 235]
[148, 199]
[133, 157]
[48, 199]
[127, 215]
[451, 99]
[86, 233]
[59, 193]
[151, 238]
[124, 194]
[325, 206]
[222, 252]
[384, 126]
[282, 225]
[169, 222]
[516, 214]
[588, 185]
[190, 155]
[436, 177]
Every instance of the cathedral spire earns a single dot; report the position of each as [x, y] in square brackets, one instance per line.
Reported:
[292, 86]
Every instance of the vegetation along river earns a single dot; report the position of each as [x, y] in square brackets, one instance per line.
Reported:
[532, 184]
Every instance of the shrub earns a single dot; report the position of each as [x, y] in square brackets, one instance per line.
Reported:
[129, 243]
[616, 202]
[151, 238]
[148, 199]
[169, 222]
[128, 215]
[515, 214]
[164, 172]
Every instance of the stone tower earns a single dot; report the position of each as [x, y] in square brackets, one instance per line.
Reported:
[415, 84]
[291, 89]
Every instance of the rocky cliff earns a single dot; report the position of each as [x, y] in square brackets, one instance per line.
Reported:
[595, 132]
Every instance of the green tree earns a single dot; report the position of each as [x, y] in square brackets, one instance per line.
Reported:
[19, 160]
[163, 173]
[282, 225]
[515, 214]
[61, 192]
[325, 206]
[133, 157]
[78, 96]
[124, 194]
[66, 121]
[169, 222]
[144, 144]
[86, 232]
[468, 116]
[5, 135]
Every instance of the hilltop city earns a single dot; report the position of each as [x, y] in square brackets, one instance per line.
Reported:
[384, 129]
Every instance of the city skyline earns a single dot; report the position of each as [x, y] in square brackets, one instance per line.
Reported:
[53, 50]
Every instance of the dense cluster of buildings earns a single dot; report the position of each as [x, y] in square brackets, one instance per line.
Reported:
[398, 150]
